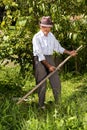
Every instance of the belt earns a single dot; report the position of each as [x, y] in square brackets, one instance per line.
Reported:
[35, 58]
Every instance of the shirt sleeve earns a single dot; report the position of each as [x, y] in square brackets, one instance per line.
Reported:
[37, 51]
[58, 47]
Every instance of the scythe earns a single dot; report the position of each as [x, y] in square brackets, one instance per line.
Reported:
[48, 76]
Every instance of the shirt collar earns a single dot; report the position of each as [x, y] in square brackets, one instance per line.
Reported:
[42, 34]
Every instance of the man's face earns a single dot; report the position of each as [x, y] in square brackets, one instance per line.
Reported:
[45, 30]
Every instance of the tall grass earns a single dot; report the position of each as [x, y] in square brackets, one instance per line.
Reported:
[70, 114]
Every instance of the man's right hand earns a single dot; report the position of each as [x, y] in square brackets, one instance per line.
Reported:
[52, 68]
[47, 65]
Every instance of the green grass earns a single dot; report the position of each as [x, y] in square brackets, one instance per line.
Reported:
[70, 114]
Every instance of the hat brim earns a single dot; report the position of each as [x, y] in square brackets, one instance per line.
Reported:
[45, 25]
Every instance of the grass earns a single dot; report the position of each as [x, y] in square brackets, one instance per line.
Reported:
[70, 114]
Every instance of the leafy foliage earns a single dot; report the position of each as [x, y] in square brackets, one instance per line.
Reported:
[19, 22]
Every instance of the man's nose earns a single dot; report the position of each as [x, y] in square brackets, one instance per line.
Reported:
[46, 30]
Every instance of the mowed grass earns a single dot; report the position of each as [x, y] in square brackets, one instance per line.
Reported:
[70, 114]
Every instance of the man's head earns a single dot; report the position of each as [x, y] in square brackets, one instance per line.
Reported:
[46, 24]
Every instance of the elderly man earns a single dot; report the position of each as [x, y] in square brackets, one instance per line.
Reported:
[44, 44]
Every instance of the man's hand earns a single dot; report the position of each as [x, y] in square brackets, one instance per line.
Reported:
[47, 65]
[72, 53]
[51, 68]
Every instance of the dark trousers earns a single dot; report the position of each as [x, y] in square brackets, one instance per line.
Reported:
[40, 73]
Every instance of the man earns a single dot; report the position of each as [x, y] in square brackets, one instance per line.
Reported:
[44, 44]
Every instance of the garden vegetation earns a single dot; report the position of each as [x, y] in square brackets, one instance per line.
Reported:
[19, 21]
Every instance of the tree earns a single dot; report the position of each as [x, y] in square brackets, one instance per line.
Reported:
[19, 23]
